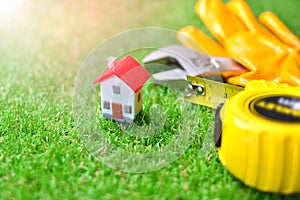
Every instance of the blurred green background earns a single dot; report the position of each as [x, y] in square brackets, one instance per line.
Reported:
[42, 44]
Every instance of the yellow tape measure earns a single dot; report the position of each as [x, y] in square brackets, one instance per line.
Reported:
[258, 132]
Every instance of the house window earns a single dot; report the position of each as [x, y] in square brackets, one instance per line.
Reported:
[106, 105]
[127, 109]
[116, 89]
[139, 97]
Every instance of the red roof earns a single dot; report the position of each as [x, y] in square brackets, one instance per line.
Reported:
[129, 71]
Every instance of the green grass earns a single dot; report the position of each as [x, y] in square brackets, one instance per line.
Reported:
[42, 155]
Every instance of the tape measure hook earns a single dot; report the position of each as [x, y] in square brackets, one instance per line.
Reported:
[194, 89]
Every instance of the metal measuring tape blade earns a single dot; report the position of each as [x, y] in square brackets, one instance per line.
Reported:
[209, 92]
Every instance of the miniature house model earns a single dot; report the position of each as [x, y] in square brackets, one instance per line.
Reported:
[121, 89]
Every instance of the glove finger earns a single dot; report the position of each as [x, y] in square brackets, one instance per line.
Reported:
[198, 41]
[264, 57]
[290, 70]
[273, 23]
[218, 19]
[243, 12]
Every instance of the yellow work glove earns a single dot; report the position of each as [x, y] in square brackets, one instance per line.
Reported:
[270, 53]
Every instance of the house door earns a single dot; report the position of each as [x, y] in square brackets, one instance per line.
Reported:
[117, 111]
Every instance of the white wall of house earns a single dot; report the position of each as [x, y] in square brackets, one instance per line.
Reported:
[126, 96]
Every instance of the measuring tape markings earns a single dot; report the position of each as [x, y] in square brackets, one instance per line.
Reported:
[208, 92]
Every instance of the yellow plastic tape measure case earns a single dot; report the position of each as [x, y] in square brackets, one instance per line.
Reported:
[260, 141]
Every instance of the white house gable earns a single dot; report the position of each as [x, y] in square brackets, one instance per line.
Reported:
[114, 90]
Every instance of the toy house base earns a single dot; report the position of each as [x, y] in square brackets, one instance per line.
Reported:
[124, 120]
